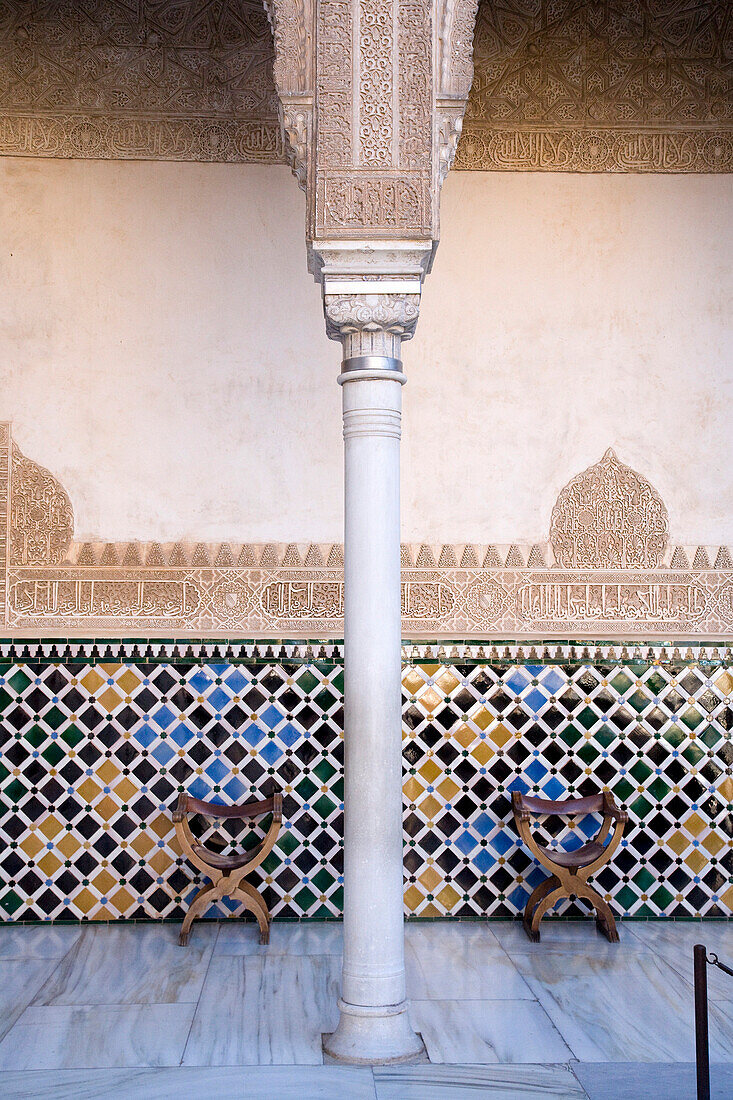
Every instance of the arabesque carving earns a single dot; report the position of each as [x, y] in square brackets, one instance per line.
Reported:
[165, 80]
[580, 87]
[634, 588]
[609, 517]
[576, 87]
[41, 517]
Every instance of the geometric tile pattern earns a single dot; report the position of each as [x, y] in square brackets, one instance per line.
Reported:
[94, 751]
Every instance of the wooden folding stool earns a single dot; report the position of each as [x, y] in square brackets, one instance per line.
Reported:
[570, 870]
[227, 872]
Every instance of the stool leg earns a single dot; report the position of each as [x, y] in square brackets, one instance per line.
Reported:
[254, 901]
[605, 921]
[201, 902]
[536, 896]
[547, 903]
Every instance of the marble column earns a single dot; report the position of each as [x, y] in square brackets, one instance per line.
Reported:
[374, 1026]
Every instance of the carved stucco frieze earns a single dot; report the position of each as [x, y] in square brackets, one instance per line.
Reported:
[636, 585]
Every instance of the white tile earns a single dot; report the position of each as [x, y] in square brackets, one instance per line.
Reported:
[214, 1083]
[487, 1031]
[626, 1007]
[286, 938]
[75, 1036]
[454, 961]
[26, 941]
[130, 964]
[674, 941]
[560, 936]
[264, 1011]
[467, 1082]
[20, 979]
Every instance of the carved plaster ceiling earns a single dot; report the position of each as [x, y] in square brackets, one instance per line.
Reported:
[610, 85]
[571, 85]
[608, 570]
[123, 79]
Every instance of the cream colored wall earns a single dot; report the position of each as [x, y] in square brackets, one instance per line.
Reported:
[162, 350]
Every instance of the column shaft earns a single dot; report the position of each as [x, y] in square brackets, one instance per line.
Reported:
[373, 1026]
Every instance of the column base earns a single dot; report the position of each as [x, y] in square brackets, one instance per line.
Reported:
[373, 1036]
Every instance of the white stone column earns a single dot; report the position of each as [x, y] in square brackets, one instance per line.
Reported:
[374, 1025]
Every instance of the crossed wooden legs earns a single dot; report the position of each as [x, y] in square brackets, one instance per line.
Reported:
[240, 891]
[549, 892]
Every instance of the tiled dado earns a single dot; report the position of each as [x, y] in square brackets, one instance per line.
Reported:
[97, 743]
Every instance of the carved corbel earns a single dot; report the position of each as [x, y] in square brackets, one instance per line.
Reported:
[293, 70]
[454, 76]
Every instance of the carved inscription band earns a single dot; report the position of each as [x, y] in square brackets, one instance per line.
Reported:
[608, 570]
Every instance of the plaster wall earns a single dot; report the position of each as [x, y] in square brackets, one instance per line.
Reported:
[162, 351]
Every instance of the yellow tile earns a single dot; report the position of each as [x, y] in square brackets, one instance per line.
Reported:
[161, 825]
[69, 845]
[31, 845]
[713, 842]
[92, 681]
[724, 683]
[107, 772]
[142, 844]
[725, 789]
[464, 735]
[50, 826]
[448, 789]
[104, 882]
[429, 670]
[122, 901]
[500, 735]
[108, 669]
[412, 681]
[694, 825]
[88, 790]
[429, 807]
[696, 861]
[447, 682]
[448, 897]
[161, 861]
[49, 864]
[106, 808]
[430, 879]
[429, 771]
[412, 789]
[124, 790]
[413, 898]
[429, 699]
[678, 842]
[727, 899]
[109, 699]
[128, 681]
[482, 718]
[84, 900]
[482, 753]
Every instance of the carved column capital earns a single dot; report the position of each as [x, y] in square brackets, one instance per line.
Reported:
[355, 314]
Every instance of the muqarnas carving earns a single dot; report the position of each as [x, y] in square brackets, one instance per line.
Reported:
[608, 570]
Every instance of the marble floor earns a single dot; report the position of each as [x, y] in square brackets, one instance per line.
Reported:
[122, 1010]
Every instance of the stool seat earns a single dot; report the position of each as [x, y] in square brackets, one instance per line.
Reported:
[227, 872]
[570, 870]
[579, 857]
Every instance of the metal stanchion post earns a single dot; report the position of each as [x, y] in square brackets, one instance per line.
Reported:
[702, 1056]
